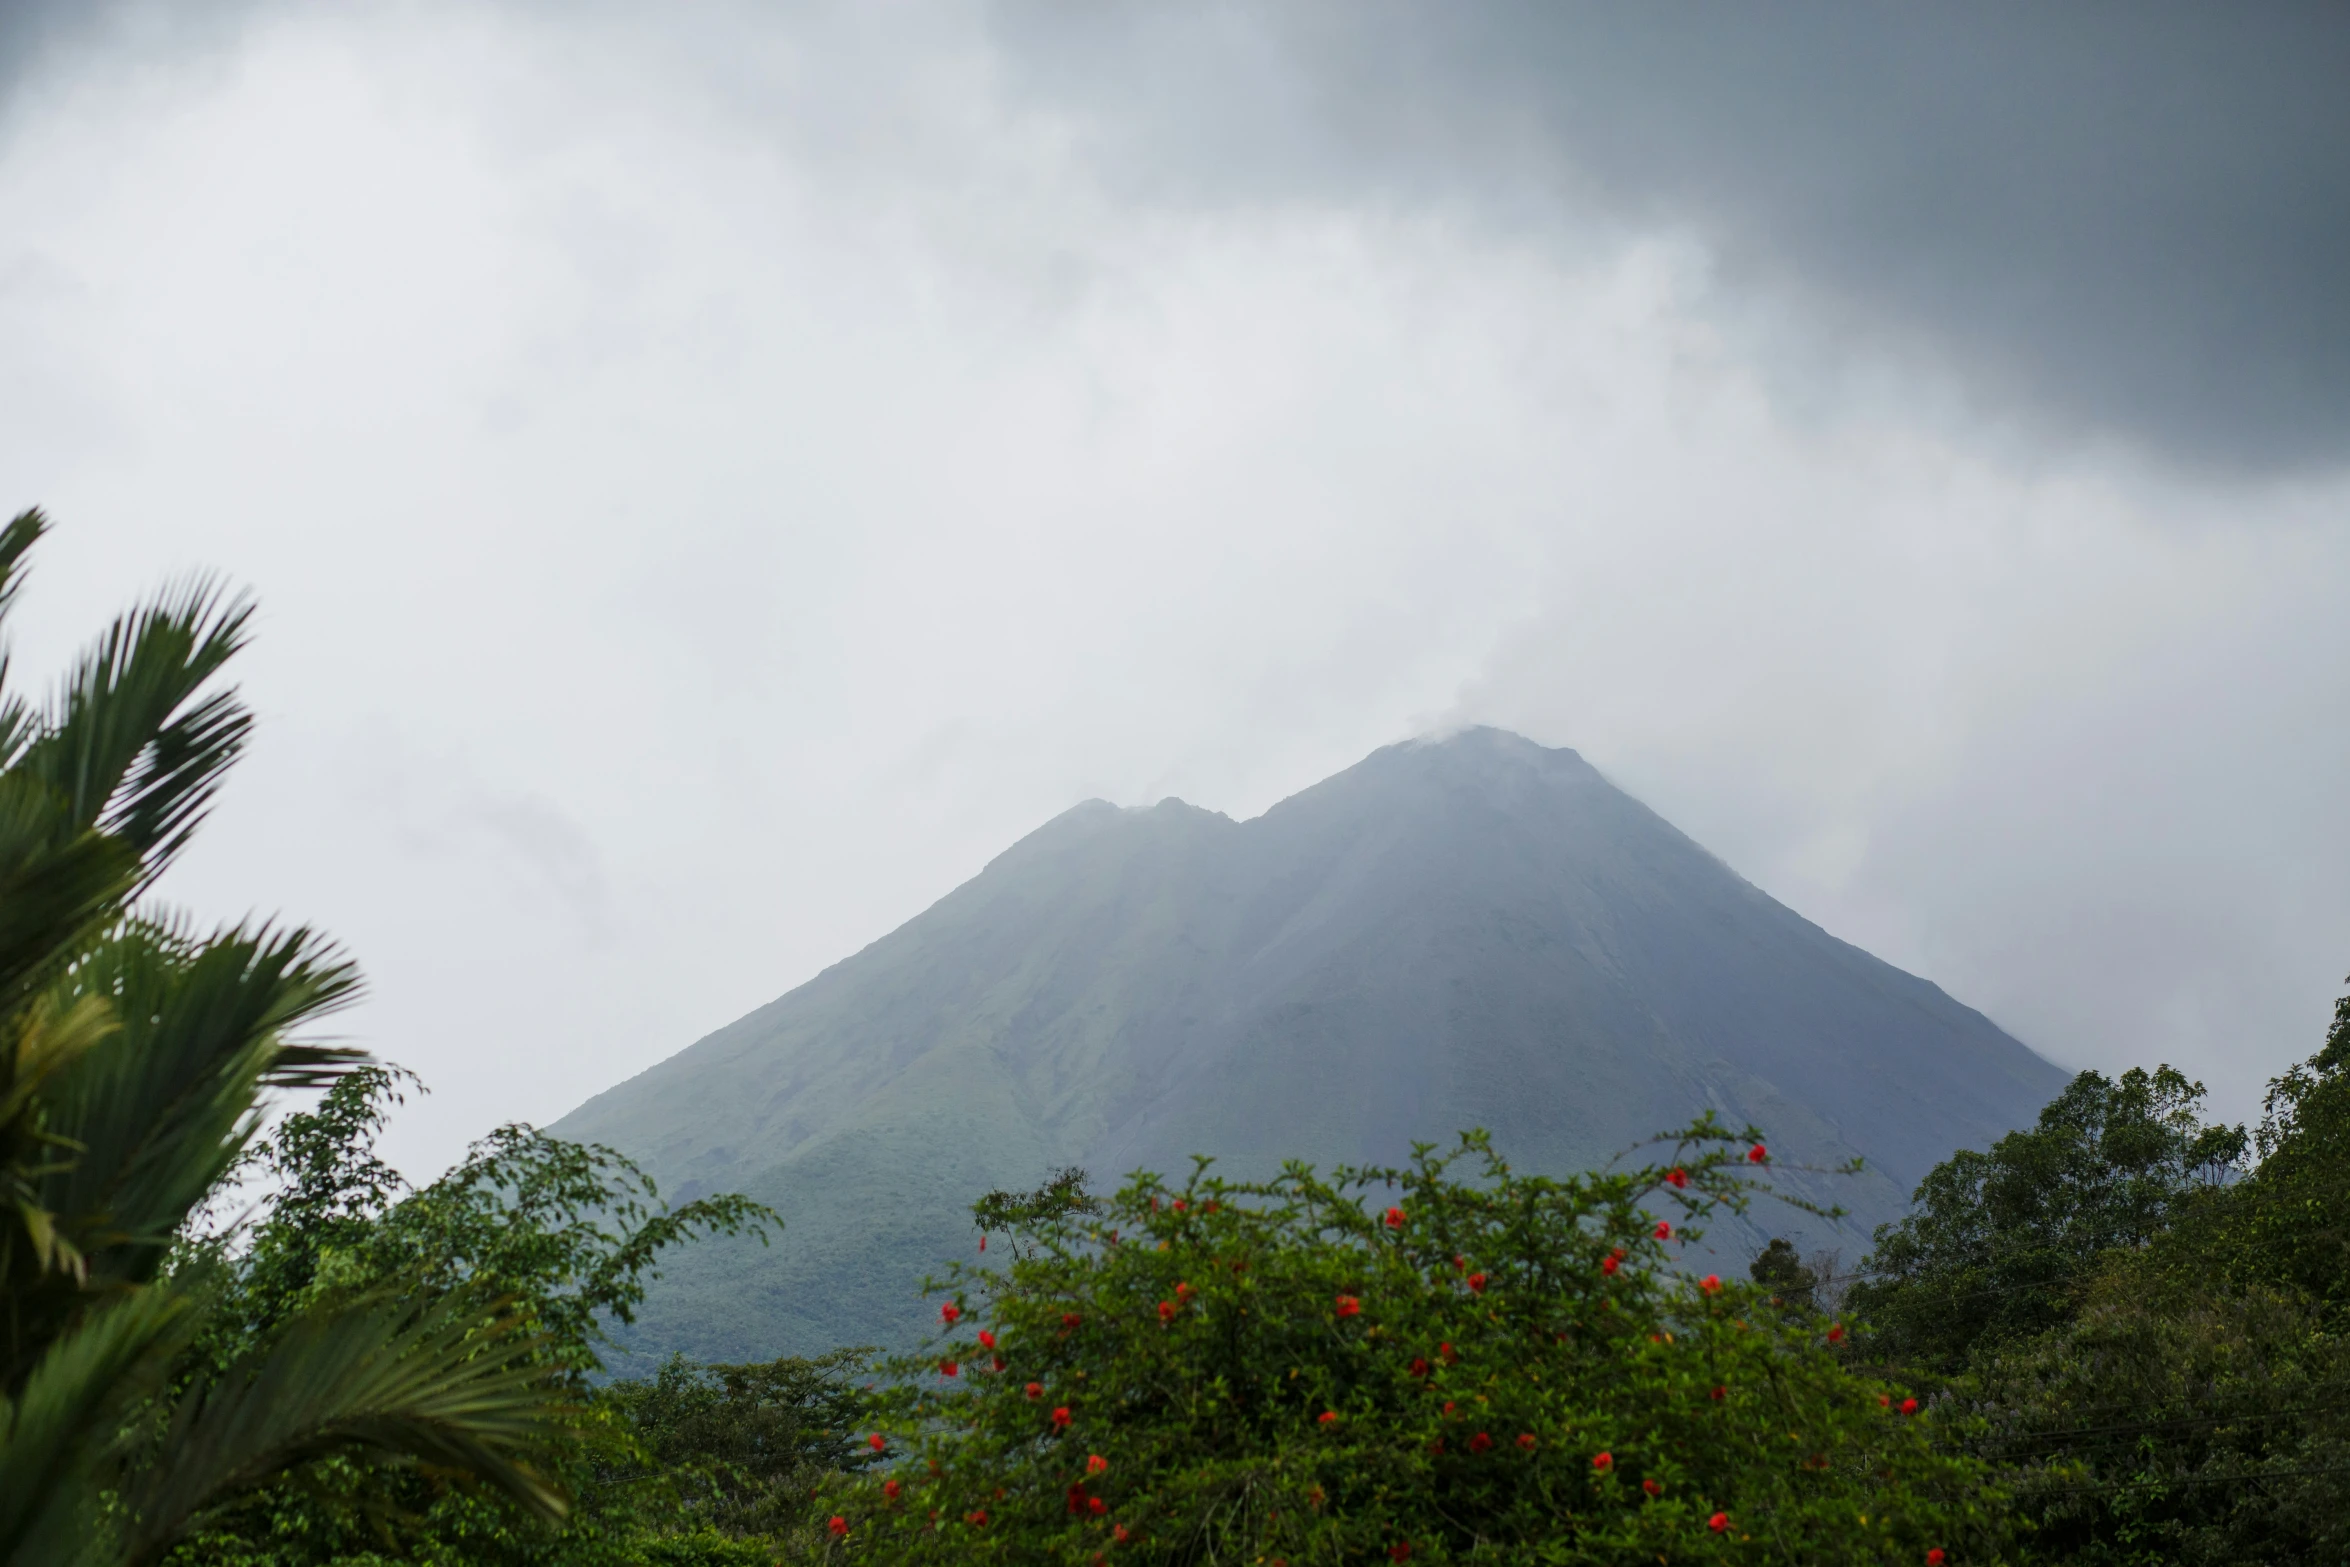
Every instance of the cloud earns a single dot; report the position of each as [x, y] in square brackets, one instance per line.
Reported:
[2126, 222]
[714, 478]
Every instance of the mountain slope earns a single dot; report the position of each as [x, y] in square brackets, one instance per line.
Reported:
[1477, 931]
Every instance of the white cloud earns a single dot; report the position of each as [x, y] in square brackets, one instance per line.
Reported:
[709, 492]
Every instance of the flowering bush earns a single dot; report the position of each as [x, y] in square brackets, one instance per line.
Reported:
[1304, 1370]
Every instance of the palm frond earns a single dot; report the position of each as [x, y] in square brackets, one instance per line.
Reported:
[131, 742]
[56, 1436]
[455, 1383]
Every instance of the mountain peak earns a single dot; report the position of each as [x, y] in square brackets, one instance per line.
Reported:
[1462, 930]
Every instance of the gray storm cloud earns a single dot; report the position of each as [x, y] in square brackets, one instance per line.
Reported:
[714, 477]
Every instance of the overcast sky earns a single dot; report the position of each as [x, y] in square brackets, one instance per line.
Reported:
[715, 475]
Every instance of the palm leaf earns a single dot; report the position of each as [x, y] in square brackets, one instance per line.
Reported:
[455, 1383]
[56, 1435]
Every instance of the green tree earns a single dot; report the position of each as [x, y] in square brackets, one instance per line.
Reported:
[1998, 1244]
[569, 1235]
[1400, 1365]
[134, 1051]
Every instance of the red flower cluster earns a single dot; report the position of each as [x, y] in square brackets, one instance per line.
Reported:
[1653, 1487]
[1096, 1464]
[1449, 1354]
[1711, 1284]
[1184, 1292]
[1664, 1230]
[1835, 1332]
[1909, 1406]
[1718, 1522]
[977, 1520]
[1166, 1311]
[1480, 1443]
[1678, 1179]
[1401, 1550]
[877, 1441]
[1061, 1418]
[1526, 1441]
[1395, 1218]
[1721, 1393]
[1329, 1417]
[1034, 1390]
[947, 1368]
[1757, 1154]
[948, 1312]
[986, 1339]
[889, 1488]
[1349, 1306]
[1604, 1462]
[1069, 1321]
[1119, 1531]
[1934, 1557]
[1178, 1205]
[1419, 1367]
[1476, 1282]
[1609, 1265]
[838, 1525]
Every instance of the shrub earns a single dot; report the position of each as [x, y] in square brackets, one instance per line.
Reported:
[1397, 1365]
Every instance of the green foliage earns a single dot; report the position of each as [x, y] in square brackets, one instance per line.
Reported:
[1998, 1243]
[742, 1446]
[134, 1053]
[567, 1235]
[1399, 1364]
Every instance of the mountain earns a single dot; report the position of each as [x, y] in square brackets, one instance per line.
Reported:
[1468, 931]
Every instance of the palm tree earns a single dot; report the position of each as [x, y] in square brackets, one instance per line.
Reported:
[135, 1051]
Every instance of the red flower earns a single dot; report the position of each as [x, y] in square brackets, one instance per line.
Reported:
[1711, 1284]
[1664, 1230]
[1449, 1407]
[1460, 1264]
[1077, 1499]
[1909, 1406]
[1069, 1321]
[877, 1441]
[838, 1525]
[1001, 1362]
[1718, 1522]
[1448, 1353]
[1884, 1402]
[1120, 1530]
[1419, 1368]
[1721, 1393]
[1329, 1417]
[1757, 1154]
[986, 1339]
[1395, 1218]
[889, 1488]
[1652, 1487]
[1096, 1506]
[1184, 1292]
[983, 1242]
[1476, 1283]
[1677, 1178]
[1934, 1557]
[1348, 1306]
[1608, 1265]
[977, 1520]
[1178, 1205]
[948, 1312]
[1061, 1418]
[1526, 1441]
[1096, 1464]
[1034, 1390]
[1209, 1207]
[947, 1368]
[1604, 1462]
[1166, 1311]
[1401, 1550]
[1480, 1442]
